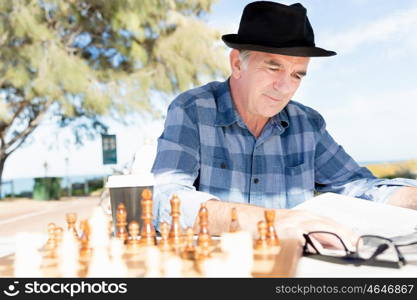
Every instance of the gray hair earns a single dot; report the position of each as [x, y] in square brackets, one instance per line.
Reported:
[244, 58]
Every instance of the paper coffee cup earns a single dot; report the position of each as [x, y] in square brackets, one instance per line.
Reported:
[127, 189]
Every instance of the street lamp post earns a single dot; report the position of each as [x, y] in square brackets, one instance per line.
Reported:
[45, 166]
[69, 189]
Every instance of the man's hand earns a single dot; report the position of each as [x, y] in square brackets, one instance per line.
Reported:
[296, 222]
[289, 223]
[404, 197]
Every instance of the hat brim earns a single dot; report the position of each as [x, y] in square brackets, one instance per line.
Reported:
[233, 41]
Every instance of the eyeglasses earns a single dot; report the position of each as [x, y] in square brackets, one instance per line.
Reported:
[370, 249]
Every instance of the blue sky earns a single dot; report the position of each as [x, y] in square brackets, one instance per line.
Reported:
[367, 93]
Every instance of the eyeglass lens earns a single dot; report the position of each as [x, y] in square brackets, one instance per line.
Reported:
[329, 244]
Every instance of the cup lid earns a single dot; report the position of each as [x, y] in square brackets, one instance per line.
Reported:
[131, 180]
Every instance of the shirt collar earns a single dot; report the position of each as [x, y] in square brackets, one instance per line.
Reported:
[227, 114]
[281, 119]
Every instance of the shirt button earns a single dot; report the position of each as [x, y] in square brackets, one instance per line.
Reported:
[255, 180]
[223, 165]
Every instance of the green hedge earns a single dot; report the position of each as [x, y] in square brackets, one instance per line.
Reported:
[47, 188]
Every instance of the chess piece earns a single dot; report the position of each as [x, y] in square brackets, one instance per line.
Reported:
[189, 249]
[148, 235]
[58, 233]
[204, 239]
[117, 263]
[237, 248]
[51, 244]
[134, 237]
[175, 235]
[234, 224]
[203, 222]
[99, 264]
[262, 241]
[164, 242]
[203, 249]
[271, 234]
[71, 221]
[121, 216]
[173, 267]
[68, 254]
[152, 262]
[110, 227]
[27, 258]
[85, 250]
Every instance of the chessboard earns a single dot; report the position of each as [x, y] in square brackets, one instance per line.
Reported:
[92, 248]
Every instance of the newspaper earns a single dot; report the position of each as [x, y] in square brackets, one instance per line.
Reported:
[363, 216]
[367, 218]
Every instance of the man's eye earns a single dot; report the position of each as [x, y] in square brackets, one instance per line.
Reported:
[273, 69]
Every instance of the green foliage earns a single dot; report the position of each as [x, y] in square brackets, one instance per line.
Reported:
[402, 174]
[47, 188]
[83, 59]
[402, 169]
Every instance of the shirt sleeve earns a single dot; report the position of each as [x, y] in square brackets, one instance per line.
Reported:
[177, 166]
[337, 172]
[173, 182]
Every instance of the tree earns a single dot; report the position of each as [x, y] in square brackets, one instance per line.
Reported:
[79, 60]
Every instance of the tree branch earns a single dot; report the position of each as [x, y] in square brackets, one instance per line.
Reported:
[1, 147]
[23, 139]
[3, 39]
[22, 105]
[33, 123]
[71, 38]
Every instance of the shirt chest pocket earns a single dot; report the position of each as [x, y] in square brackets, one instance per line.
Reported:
[216, 172]
[299, 183]
[221, 163]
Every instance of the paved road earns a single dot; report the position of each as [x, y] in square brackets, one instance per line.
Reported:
[33, 216]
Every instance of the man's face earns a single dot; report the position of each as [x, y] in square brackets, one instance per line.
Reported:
[268, 82]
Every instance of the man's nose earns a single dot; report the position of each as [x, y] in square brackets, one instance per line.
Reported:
[282, 83]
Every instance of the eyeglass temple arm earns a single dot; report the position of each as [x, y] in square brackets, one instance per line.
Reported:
[400, 256]
[381, 248]
[309, 242]
[344, 245]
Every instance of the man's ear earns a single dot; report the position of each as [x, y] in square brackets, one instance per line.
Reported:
[235, 63]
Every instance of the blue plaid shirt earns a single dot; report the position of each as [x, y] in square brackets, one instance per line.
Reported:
[205, 139]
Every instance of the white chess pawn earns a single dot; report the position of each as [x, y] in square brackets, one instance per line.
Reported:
[68, 254]
[100, 265]
[215, 267]
[28, 259]
[118, 266]
[99, 237]
[173, 266]
[238, 250]
[152, 261]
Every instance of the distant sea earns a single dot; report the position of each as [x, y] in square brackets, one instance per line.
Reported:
[21, 185]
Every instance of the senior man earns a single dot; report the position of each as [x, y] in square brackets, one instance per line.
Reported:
[244, 143]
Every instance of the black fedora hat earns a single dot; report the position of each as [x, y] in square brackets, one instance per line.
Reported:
[276, 28]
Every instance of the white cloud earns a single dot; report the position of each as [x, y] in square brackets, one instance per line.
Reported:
[400, 26]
